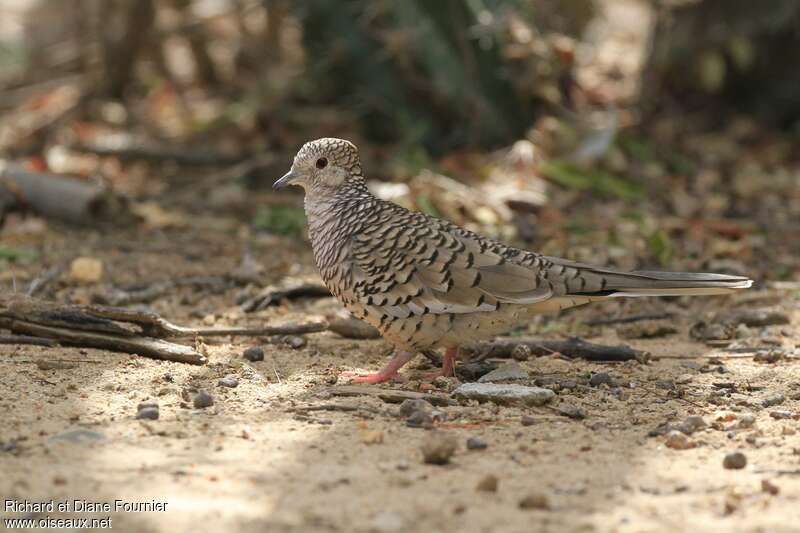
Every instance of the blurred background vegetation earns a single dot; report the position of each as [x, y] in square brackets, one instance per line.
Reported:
[625, 131]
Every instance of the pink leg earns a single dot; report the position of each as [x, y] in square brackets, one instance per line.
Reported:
[384, 374]
[448, 365]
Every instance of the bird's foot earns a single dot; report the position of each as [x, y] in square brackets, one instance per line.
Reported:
[375, 377]
[448, 366]
[384, 374]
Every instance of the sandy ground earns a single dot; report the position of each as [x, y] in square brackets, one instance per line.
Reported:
[254, 462]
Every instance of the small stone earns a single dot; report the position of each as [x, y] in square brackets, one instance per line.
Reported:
[438, 448]
[535, 500]
[571, 411]
[86, 270]
[438, 416]
[509, 372]
[601, 378]
[488, 484]
[410, 406]
[773, 399]
[746, 421]
[294, 341]
[419, 419]
[678, 441]
[691, 425]
[504, 393]
[521, 352]
[147, 413]
[781, 415]
[202, 400]
[735, 461]
[229, 381]
[769, 487]
[476, 443]
[526, 420]
[254, 353]
[769, 356]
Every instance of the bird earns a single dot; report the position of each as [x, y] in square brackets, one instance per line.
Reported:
[426, 283]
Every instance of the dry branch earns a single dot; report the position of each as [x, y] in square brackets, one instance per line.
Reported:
[120, 329]
[59, 197]
[573, 348]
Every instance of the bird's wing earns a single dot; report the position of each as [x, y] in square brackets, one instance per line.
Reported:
[414, 265]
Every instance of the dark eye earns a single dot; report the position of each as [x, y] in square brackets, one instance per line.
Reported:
[322, 162]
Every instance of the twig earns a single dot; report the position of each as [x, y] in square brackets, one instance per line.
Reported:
[334, 407]
[627, 319]
[39, 284]
[573, 348]
[288, 289]
[27, 339]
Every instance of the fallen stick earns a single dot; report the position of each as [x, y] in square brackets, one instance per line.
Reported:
[288, 289]
[60, 197]
[572, 347]
[627, 319]
[120, 329]
[27, 339]
[131, 150]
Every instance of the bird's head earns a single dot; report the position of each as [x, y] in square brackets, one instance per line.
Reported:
[323, 166]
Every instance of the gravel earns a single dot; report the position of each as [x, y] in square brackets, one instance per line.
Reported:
[476, 443]
[601, 378]
[735, 461]
[202, 400]
[773, 399]
[438, 448]
[254, 353]
[229, 381]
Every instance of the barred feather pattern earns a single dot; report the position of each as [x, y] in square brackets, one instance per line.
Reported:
[426, 283]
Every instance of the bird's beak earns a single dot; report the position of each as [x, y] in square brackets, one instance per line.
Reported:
[285, 180]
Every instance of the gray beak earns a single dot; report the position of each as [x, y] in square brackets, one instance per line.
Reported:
[284, 181]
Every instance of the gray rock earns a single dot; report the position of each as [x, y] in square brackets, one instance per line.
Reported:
[509, 372]
[678, 441]
[78, 436]
[600, 378]
[410, 406]
[229, 381]
[476, 443]
[773, 399]
[781, 415]
[202, 400]
[419, 419]
[734, 461]
[691, 425]
[746, 421]
[254, 353]
[504, 393]
[147, 413]
[571, 411]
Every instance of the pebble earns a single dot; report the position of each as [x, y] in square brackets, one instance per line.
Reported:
[504, 393]
[420, 419]
[781, 415]
[526, 420]
[735, 461]
[488, 484]
[571, 411]
[509, 372]
[294, 341]
[254, 353]
[202, 400]
[411, 406]
[746, 421]
[773, 399]
[438, 448]
[229, 381]
[476, 443]
[678, 441]
[691, 425]
[535, 500]
[147, 413]
[769, 487]
[600, 378]
[521, 352]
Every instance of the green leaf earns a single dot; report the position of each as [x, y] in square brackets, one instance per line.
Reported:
[572, 176]
[18, 254]
[661, 247]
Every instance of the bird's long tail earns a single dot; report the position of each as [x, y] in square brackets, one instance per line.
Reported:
[606, 283]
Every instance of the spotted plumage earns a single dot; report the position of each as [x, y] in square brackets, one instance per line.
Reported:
[427, 283]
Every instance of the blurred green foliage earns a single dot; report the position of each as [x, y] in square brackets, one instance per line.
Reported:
[289, 221]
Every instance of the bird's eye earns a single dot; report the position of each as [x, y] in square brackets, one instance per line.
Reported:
[322, 162]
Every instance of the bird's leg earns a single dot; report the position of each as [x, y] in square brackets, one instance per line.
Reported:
[384, 374]
[448, 365]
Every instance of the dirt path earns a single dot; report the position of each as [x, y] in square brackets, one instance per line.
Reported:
[252, 461]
